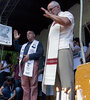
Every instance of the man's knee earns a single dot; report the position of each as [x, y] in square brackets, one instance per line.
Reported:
[18, 90]
[6, 92]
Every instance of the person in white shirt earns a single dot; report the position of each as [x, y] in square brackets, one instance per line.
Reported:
[77, 55]
[65, 55]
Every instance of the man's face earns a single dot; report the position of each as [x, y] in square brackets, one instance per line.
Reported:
[53, 9]
[30, 35]
[9, 83]
[75, 43]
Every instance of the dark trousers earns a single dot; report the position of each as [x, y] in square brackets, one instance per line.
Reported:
[40, 91]
[18, 83]
[19, 93]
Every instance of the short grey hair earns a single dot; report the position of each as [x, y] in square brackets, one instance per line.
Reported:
[55, 3]
[33, 32]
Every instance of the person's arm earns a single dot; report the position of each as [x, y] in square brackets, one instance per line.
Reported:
[1, 65]
[61, 20]
[36, 55]
[17, 46]
[16, 43]
[1, 68]
[76, 50]
[40, 71]
[4, 84]
[1, 90]
[14, 94]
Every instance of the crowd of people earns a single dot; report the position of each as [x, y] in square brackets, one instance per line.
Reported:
[77, 55]
[9, 89]
[22, 83]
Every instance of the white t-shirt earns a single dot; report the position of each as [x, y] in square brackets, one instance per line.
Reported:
[5, 65]
[66, 33]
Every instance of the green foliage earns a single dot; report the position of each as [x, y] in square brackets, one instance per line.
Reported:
[14, 56]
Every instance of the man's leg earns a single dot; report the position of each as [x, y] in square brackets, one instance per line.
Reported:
[6, 92]
[43, 96]
[66, 70]
[34, 82]
[19, 93]
[17, 83]
[26, 87]
[39, 90]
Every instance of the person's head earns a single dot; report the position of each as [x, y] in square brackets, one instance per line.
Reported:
[8, 58]
[54, 7]
[76, 41]
[9, 80]
[30, 35]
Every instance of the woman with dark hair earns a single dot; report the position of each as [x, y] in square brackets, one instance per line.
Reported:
[5, 68]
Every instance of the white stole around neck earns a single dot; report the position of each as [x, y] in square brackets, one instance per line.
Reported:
[51, 57]
[28, 68]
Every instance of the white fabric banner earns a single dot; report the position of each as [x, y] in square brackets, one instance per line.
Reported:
[51, 57]
[28, 69]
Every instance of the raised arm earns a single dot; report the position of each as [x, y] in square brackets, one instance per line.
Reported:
[61, 20]
[16, 37]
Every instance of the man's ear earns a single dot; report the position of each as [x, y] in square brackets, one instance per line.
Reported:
[58, 7]
[34, 35]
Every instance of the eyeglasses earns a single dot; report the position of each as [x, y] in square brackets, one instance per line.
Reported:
[51, 8]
